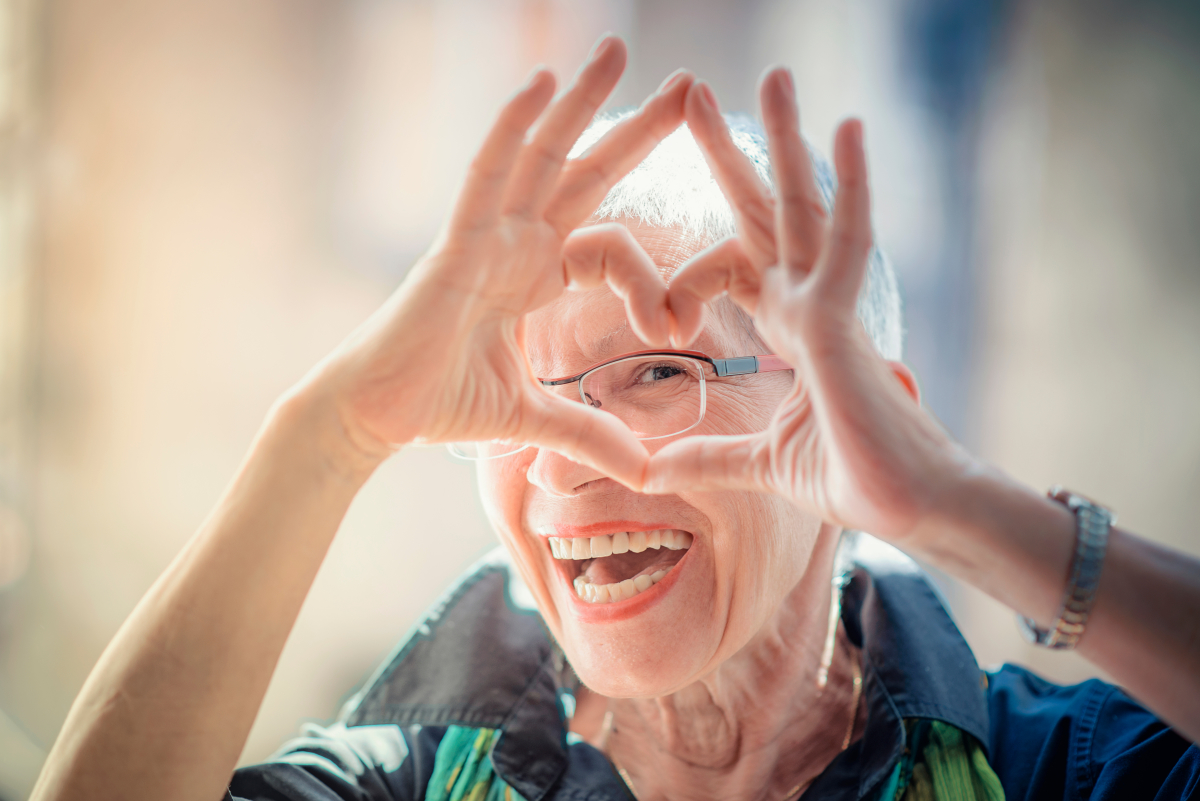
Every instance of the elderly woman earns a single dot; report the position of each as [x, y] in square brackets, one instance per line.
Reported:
[678, 404]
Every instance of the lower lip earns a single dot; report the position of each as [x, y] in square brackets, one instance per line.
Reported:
[630, 607]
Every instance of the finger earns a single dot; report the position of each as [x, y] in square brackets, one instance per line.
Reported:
[609, 253]
[723, 267]
[587, 436]
[586, 180]
[478, 202]
[844, 265]
[541, 159]
[753, 206]
[708, 463]
[800, 214]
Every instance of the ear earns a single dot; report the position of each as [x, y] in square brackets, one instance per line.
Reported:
[907, 380]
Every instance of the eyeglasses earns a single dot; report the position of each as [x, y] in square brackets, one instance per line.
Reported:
[657, 393]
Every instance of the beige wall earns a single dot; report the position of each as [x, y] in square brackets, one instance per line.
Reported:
[1090, 366]
[228, 187]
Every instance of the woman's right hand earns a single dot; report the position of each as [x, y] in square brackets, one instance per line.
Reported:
[444, 359]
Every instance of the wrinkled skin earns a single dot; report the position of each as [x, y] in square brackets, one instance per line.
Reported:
[749, 548]
[715, 685]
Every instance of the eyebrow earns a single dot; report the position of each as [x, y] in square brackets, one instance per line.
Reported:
[606, 345]
[597, 350]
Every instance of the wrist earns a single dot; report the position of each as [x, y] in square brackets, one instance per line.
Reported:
[1002, 537]
[308, 423]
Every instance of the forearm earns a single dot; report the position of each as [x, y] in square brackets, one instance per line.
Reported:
[168, 707]
[1017, 545]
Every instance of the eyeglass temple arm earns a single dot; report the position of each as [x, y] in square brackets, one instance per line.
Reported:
[744, 365]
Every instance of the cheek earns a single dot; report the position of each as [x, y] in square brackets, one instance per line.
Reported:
[737, 409]
[502, 489]
[762, 554]
[745, 405]
[502, 485]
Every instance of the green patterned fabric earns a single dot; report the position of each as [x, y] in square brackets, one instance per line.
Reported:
[941, 764]
[462, 769]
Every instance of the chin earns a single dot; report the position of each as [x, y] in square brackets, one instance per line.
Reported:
[639, 641]
[655, 674]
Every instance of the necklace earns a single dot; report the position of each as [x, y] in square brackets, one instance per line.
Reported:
[855, 700]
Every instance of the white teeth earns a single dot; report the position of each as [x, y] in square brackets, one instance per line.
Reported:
[637, 541]
[621, 542]
[581, 549]
[677, 540]
[611, 593]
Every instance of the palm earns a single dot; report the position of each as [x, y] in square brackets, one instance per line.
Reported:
[444, 359]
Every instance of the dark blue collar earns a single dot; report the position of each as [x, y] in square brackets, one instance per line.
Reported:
[482, 657]
[916, 664]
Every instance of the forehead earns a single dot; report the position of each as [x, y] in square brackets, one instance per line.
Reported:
[582, 327]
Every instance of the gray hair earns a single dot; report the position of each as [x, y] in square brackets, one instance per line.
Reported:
[674, 188]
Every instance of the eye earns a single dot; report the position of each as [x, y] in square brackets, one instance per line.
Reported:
[658, 372]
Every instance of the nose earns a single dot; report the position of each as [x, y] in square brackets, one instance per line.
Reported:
[557, 475]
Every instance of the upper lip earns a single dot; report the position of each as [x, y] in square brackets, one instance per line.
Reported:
[569, 530]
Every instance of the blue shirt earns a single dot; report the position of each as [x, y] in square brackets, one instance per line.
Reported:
[482, 657]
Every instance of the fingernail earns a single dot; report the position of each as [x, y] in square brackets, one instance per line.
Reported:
[672, 81]
[706, 94]
[601, 47]
[533, 76]
[789, 82]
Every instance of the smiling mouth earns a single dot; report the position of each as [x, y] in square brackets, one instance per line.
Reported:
[615, 567]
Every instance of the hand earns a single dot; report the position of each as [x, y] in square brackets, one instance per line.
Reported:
[444, 360]
[850, 442]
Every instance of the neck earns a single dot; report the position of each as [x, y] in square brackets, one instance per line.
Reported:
[761, 726]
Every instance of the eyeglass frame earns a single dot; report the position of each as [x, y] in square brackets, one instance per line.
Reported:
[735, 366]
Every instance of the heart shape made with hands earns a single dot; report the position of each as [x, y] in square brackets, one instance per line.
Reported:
[439, 362]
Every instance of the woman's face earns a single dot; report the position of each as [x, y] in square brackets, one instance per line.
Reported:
[744, 550]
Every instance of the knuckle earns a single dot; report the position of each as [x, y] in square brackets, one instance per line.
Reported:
[760, 231]
[483, 168]
[544, 152]
[593, 169]
[759, 208]
[853, 240]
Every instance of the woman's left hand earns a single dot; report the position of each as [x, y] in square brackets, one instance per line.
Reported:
[850, 442]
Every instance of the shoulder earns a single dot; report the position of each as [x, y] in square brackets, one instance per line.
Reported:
[1087, 740]
[332, 763]
[479, 659]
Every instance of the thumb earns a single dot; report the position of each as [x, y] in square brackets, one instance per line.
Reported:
[707, 463]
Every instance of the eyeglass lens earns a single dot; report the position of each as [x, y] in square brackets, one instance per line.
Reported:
[656, 396]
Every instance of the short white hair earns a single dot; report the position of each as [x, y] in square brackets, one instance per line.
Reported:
[674, 188]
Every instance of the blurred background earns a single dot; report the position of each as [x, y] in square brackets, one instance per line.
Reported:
[199, 198]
